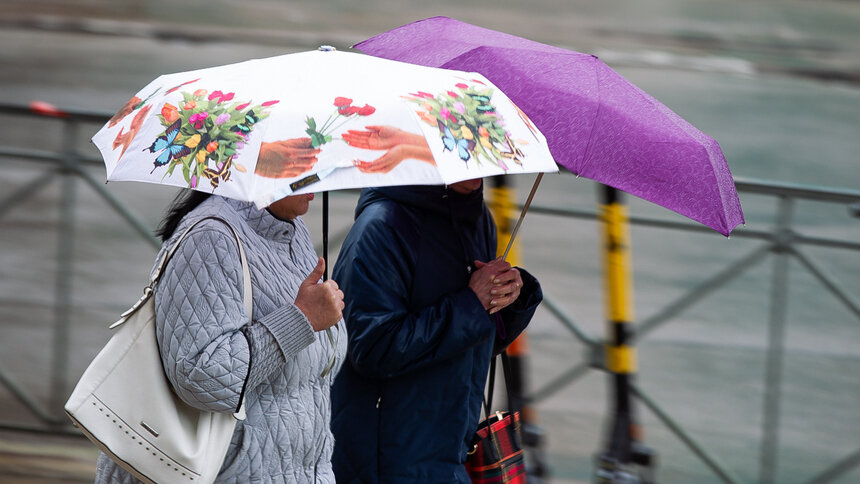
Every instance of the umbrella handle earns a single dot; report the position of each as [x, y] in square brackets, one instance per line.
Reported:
[522, 215]
[325, 233]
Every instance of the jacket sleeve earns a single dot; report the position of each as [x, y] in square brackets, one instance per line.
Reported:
[517, 316]
[202, 325]
[385, 338]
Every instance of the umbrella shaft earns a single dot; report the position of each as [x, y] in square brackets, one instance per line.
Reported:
[325, 233]
[522, 215]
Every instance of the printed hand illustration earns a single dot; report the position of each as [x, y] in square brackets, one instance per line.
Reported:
[124, 111]
[321, 302]
[400, 144]
[496, 284]
[286, 158]
[125, 138]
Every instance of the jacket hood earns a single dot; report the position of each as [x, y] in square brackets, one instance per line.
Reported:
[433, 198]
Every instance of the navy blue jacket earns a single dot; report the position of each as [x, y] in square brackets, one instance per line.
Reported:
[408, 400]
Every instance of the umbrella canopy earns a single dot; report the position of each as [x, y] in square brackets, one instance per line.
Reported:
[598, 124]
[264, 129]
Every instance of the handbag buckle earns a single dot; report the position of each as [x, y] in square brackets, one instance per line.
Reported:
[147, 292]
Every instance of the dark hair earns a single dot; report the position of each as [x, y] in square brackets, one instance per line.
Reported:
[185, 201]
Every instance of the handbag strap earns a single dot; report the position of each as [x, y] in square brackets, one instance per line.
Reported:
[246, 274]
[247, 299]
[506, 369]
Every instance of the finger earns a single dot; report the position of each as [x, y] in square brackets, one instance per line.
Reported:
[506, 277]
[297, 142]
[315, 274]
[362, 165]
[376, 166]
[356, 143]
[299, 152]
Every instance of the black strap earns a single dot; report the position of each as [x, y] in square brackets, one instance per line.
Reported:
[506, 369]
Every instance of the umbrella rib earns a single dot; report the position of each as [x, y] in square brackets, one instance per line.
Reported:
[593, 123]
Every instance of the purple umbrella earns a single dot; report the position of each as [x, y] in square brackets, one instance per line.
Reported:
[597, 123]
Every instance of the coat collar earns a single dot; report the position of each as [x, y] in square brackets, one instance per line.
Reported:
[462, 208]
[263, 222]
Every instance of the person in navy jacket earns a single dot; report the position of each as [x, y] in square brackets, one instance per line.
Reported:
[426, 305]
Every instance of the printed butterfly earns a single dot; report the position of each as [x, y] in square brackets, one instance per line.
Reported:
[165, 144]
[514, 154]
[464, 146]
[245, 127]
[223, 173]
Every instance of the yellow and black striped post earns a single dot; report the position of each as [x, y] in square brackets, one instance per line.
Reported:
[624, 450]
[501, 203]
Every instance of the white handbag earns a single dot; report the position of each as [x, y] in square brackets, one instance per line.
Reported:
[124, 402]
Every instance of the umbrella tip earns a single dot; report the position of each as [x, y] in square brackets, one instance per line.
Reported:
[326, 48]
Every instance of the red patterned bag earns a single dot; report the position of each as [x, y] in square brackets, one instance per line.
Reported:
[497, 449]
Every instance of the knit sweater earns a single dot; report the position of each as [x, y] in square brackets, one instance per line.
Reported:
[213, 357]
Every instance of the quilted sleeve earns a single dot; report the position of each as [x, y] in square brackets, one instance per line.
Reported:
[199, 315]
[275, 338]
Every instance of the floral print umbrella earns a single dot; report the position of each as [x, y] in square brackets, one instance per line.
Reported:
[315, 121]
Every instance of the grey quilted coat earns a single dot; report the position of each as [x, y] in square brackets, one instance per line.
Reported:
[212, 356]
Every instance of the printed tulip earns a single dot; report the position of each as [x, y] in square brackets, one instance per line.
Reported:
[170, 113]
[198, 120]
[201, 93]
[188, 106]
[220, 96]
[193, 141]
[321, 134]
[342, 101]
[212, 146]
[466, 132]
[366, 110]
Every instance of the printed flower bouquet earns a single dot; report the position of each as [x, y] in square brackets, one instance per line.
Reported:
[203, 134]
[468, 124]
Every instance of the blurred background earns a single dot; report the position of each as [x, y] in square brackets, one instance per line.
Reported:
[749, 347]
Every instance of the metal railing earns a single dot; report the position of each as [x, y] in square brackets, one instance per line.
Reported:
[782, 241]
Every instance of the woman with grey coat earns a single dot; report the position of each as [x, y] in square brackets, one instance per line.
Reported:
[279, 363]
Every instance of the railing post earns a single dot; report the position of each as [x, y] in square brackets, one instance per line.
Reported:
[502, 206]
[624, 450]
[776, 342]
[63, 288]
